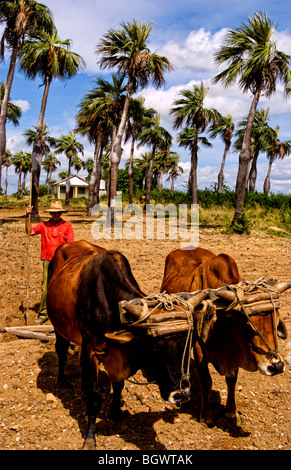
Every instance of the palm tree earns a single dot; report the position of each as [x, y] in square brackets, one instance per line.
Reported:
[126, 49]
[50, 165]
[48, 57]
[21, 160]
[6, 163]
[46, 140]
[158, 138]
[14, 112]
[70, 146]
[137, 118]
[98, 118]
[276, 149]
[261, 136]
[190, 139]
[190, 109]
[251, 55]
[224, 128]
[174, 171]
[143, 163]
[20, 18]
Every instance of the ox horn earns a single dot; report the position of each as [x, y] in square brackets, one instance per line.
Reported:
[282, 286]
[197, 297]
[136, 310]
[225, 294]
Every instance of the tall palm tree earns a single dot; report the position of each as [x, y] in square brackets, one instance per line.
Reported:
[21, 161]
[46, 140]
[253, 59]
[158, 138]
[189, 109]
[224, 128]
[261, 136]
[174, 171]
[68, 145]
[50, 164]
[46, 56]
[137, 118]
[276, 149]
[20, 18]
[143, 163]
[6, 163]
[126, 49]
[189, 138]
[98, 118]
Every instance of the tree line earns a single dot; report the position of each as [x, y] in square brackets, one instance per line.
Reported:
[109, 114]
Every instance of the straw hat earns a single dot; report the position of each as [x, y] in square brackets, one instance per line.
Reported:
[56, 206]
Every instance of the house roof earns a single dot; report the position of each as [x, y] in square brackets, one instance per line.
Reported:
[75, 181]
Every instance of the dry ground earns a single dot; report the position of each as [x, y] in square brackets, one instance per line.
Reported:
[36, 414]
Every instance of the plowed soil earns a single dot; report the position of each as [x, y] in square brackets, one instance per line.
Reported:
[35, 414]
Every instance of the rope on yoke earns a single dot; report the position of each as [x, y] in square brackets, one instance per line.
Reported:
[248, 288]
[183, 321]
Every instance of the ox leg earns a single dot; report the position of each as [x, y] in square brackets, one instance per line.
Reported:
[62, 346]
[90, 367]
[205, 384]
[116, 412]
[231, 412]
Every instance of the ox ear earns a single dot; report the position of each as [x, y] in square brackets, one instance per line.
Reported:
[120, 337]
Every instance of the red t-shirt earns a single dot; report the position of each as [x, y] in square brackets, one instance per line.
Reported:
[52, 236]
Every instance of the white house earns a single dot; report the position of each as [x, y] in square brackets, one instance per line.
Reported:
[79, 187]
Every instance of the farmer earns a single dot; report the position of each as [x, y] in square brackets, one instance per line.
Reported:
[53, 233]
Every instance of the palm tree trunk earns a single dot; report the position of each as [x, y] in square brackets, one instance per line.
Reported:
[93, 176]
[19, 185]
[37, 152]
[244, 161]
[4, 107]
[6, 183]
[253, 173]
[98, 176]
[68, 183]
[267, 183]
[172, 186]
[116, 152]
[193, 180]
[149, 177]
[130, 171]
[221, 173]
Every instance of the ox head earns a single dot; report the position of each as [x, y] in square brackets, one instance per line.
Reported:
[163, 344]
[261, 325]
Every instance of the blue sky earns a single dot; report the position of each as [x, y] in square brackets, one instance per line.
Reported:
[188, 33]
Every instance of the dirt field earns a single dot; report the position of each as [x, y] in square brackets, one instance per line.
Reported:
[35, 414]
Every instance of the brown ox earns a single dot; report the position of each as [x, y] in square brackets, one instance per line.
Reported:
[86, 286]
[234, 340]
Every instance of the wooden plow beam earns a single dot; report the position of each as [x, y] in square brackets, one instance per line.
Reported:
[41, 332]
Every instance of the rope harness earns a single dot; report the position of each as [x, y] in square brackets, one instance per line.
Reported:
[181, 315]
[262, 286]
[181, 320]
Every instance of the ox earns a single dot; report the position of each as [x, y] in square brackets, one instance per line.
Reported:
[86, 285]
[235, 340]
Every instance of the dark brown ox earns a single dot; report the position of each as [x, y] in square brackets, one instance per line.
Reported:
[234, 340]
[86, 285]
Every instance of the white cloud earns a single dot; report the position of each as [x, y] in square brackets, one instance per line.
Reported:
[23, 104]
[196, 52]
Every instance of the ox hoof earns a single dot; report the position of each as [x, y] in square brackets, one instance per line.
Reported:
[235, 417]
[89, 444]
[207, 422]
